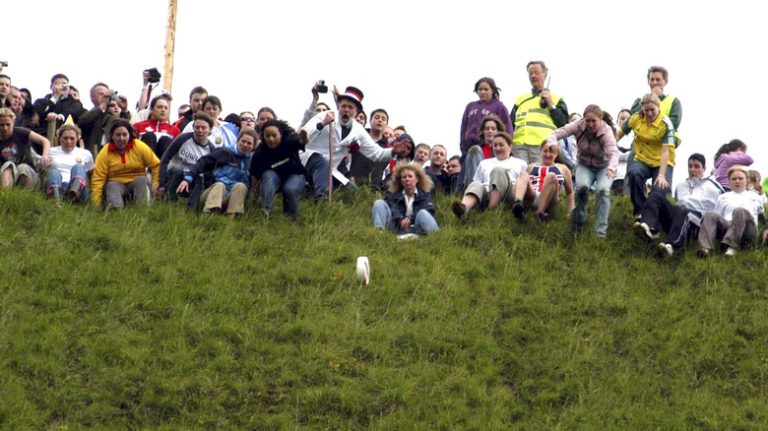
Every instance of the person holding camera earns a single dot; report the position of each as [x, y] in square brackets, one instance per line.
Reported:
[95, 121]
[536, 114]
[58, 105]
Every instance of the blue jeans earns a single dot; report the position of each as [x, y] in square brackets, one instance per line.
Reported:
[469, 166]
[424, 224]
[292, 189]
[585, 177]
[637, 174]
[77, 183]
[319, 168]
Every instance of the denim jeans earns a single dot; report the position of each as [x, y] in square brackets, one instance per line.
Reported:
[292, 189]
[585, 177]
[76, 184]
[319, 168]
[637, 174]
[469, 165]
[424, 224]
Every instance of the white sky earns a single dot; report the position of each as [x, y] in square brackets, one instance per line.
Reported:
[418, 60]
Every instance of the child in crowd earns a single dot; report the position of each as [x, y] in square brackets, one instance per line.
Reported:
[730, 154]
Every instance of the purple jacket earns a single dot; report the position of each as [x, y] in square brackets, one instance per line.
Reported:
[474, 114]
[597, 151]
[725, 161]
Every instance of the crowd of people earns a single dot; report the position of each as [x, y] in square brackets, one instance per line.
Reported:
[525, 160]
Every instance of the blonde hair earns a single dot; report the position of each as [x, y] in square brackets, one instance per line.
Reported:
[741, 168]
[425, 183]
[66, 127]
[651, 98]
[7, 113]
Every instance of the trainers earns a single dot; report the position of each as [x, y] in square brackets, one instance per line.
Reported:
[518, 209]
[407, 236]
[459, 209]
[703, 252]
[730, 251]
[664, 249]
[542, 216]
[644, 231]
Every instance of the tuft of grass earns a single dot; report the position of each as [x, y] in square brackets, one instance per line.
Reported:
[157, 318]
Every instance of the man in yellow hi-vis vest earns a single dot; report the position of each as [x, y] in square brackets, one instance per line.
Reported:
[536, 114]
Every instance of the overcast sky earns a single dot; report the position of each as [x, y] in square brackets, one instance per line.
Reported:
[418, 60]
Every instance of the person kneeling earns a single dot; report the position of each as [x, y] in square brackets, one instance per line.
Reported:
[408, 209]
[229, 168]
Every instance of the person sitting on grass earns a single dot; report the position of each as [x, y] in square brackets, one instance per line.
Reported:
[408, 209]
[70, 166]
[494, 180]
[17, 159]
[539, 186]
[229, 169]
[696, 196]
[120, 171]
[276, 166]
[183, 152]
[733, 222]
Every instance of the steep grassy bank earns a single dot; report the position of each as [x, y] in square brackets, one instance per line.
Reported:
[160, 319]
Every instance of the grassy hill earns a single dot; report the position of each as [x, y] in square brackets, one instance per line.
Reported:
[156, 318]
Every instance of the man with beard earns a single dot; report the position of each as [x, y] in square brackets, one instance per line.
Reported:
[318, 154]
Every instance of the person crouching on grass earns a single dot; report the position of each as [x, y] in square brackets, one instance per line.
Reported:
[120, 170]
[408, 209]
[494, 179]
[229, 168]
[276, 166]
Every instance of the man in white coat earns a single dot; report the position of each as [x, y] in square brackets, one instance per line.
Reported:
[318, 156]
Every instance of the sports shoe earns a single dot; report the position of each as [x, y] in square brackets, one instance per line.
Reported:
[644, 231]
[542, 216]
[518, 209]
[664, 249]
[407, 236]
[703, 252]
[730, 251]
[459, 209]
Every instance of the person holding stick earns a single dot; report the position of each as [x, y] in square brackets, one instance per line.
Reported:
[328, 141]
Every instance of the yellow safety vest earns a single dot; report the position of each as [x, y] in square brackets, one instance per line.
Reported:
[665, 109]
[648, 140]
[533, 124]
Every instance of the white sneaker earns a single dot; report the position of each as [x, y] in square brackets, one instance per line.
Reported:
[407, 236]
[644, 231]
[665, 250]
[730, 251]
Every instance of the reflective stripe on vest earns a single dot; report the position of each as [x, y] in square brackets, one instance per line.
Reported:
[664, 109]
[533, 124]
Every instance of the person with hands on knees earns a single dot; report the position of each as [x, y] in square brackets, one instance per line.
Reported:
[120, 170]
[408, 209]
[654, 151]
[539, 186]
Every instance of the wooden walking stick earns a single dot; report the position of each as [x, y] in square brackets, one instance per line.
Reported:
[51, 131]
[330, 162]
[170, 44]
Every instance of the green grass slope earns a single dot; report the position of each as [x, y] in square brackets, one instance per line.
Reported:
[156, 318]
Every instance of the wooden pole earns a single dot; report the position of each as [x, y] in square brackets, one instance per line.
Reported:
[330, 162]
[170, 43]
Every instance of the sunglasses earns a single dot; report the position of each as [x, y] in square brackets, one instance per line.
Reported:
[248, 119]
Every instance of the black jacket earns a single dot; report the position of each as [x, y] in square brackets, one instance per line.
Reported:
[396, 203]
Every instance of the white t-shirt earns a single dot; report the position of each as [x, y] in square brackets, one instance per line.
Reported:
[63, 162]
[748, 199]
[513, 166]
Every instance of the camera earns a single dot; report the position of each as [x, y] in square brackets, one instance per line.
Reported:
[113, 95]
[3, 63]
[321, 87]
[154, 75]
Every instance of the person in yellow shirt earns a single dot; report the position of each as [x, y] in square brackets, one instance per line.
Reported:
[654, 150]
[120, 170]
